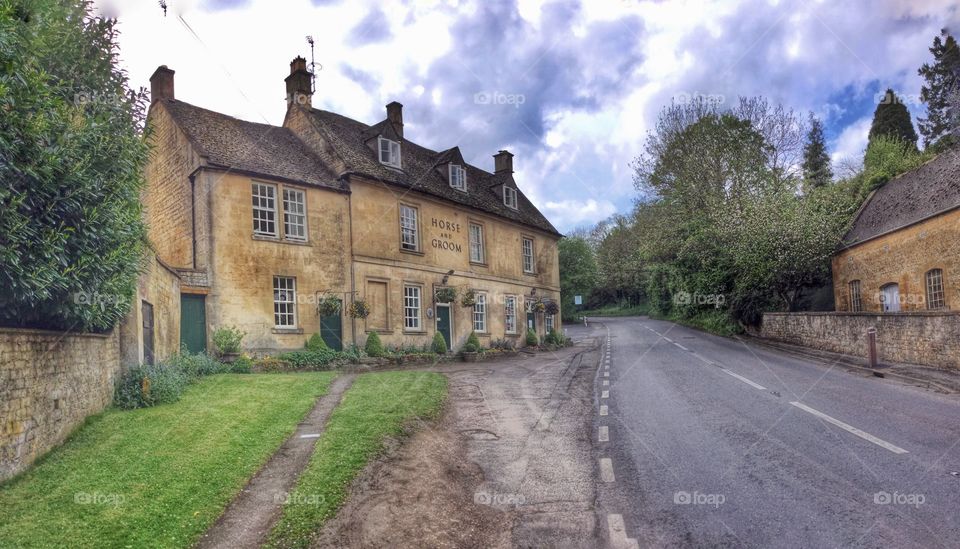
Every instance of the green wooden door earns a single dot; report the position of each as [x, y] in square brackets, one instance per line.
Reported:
[443, 323]
[193, 323]
[331, 330]
[532, 320]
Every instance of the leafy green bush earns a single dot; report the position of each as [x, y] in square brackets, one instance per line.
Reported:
[473, 344]
[242, 365]
[554, 337]
[72, 156]
[503, 344]
[195, 365]
[439, 345]
[316, 343]
[373, 346]
[149, 385]
[310, 360]
[270, 364]
[227, 339]
[353, 353]
[531, 338]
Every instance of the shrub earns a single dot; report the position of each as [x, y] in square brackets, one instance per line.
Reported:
[502, 344]
[242, 365]
[353, 353]
[149, 385]
[473, 344]
[270, 364]
[532, 338]
[439, 345]
[316, 343]
[310, 360]
[227, 339]
[196, 364]
[373, 346]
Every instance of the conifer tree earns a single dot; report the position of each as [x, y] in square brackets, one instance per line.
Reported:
[940, 91]
[816, 161]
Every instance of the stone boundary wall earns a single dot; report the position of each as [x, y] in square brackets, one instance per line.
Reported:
[49, 383]
[928, 338]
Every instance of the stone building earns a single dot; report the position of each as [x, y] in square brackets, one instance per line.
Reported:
[261, 223]
[902, 252]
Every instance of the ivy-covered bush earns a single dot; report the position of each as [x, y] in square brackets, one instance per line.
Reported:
[373, 346]
[149, 385]
[439, 345]
[72, 154]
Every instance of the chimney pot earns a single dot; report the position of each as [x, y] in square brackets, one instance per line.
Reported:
[161, 84]
[299, 84]
[395, 116]
[503, 162]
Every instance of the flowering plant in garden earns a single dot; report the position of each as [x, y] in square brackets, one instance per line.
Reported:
[359, 308]
[469, 298]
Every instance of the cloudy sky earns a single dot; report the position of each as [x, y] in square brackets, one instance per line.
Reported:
[571, 88]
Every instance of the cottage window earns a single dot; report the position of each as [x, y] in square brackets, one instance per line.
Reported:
[458, 177]
[409, 237]
[476, 243]
[527, 255]
[510, 197]
[935, 299]
[264, 209]
[294, 214]
[856, 303]
[411, 308]
[510, 309]
[285, 301]
[549, 322]
[480, 314]
[389, 152]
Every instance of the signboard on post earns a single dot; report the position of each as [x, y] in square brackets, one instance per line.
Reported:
[578, 300]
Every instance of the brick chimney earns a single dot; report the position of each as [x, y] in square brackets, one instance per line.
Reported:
[503, 162]
[161, 84]
[299, 83]
[395, 116]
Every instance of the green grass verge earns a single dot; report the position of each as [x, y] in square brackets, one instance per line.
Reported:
[376, 406]
[156, 477]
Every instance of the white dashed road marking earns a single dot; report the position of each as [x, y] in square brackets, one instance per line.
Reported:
[604, 435]
[606, 382]
[743, 379]
[605, 394]
[310, 436]
[606, 470]
[849, 428]
[618, 534]
[603, 409]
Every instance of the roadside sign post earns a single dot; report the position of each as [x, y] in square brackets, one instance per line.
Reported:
[872, 346]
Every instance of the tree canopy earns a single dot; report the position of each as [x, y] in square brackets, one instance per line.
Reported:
[940, 92]
[892, 119]
[816, 161]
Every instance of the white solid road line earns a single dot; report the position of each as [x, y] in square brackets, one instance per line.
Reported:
[682, 347]
[606, 470]
[618, 534]
[849, 428]
[743, 379]
[604, 435]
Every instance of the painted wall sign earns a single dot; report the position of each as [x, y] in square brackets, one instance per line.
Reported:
[445, 239]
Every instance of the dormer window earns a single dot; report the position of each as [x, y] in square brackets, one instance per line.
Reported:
[458, 177]
[389, 152]
[510, 197]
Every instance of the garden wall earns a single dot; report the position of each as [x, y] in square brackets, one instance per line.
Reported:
[50, 382]
[928, 338]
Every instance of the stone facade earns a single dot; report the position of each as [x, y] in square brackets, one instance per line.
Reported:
[903, 257]
[159, 290]
[50, 382]
[926, 338]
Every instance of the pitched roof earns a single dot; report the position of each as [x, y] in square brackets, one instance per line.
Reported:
[247, 146]
[423, 169]
[914, 196]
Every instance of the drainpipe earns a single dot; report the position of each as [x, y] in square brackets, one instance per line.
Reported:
[353, 282]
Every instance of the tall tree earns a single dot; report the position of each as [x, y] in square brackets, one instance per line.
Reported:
[71, 169]
[578, 271]
[942, 84]
[816, 161]
[892, 119]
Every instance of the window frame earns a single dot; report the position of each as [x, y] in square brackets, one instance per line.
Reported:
[855, 293]
[271, 210]
[532, 257]
[415, 228]
[513, 193]
[510, 304]
[931, 292]
[549, 322]
[480, 244]
[277, 303]
[461, 171]
[303, 213]
[393, 152]
[480, 313]
[419, 307]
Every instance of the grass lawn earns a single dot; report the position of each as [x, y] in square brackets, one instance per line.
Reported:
[156, 477]
[377, 405]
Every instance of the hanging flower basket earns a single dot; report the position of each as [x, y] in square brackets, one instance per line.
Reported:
[469, 298]
[329, 306]
[445, 295]
[539, 306]
[552, 308]
[359, 308]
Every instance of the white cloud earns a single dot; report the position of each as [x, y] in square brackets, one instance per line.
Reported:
[571, 213]
[851, 143]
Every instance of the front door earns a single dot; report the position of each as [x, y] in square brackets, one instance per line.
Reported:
[331, 330]
[193, 323]
[444, 323]
[531, 320]
[146, 311]
[891, 298]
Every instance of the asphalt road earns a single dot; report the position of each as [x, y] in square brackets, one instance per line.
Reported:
[713, 442]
